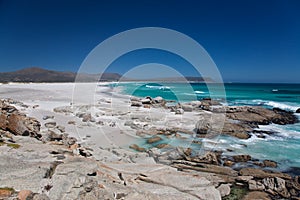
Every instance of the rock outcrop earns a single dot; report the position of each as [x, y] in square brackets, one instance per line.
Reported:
[15, 122]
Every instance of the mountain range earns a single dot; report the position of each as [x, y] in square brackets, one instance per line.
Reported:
[36, 74]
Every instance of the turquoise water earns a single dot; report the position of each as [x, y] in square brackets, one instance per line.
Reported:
[283, 146]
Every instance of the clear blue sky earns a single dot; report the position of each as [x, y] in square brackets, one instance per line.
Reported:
[250, 41]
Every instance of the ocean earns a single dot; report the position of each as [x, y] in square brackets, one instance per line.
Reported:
[283, 146]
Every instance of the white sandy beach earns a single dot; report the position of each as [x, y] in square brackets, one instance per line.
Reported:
[109, 110]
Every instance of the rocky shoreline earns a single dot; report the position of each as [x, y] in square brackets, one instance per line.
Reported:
[40, 160]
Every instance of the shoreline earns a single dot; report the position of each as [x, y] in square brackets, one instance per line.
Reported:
[123, 121]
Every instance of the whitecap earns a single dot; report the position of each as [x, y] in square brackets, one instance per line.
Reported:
[158, 87]
[281, 105]
[199, 92]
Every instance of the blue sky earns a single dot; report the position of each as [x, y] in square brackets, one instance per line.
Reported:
[250, 41]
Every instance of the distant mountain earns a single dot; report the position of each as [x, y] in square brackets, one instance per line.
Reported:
[36, 74]
[39, 75]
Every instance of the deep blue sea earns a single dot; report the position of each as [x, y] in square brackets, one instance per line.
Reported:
[283, 146]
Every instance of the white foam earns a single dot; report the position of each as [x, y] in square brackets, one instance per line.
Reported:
[158, 87]
[281, 131]
[282, 105]
[199, 92]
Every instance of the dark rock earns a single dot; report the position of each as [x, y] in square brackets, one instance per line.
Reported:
[241, 158]
[146, 101]
[162, 146]
[179, 111]
[48, 117]
[260, 115]
[88, 118]
[188, 152]
[136, 104]
[270, 163]
[298, 110]
[51, 124]
[84, 152]
[137, 148]
[158, 100]
[61, 128]
[92, 174]
[153, 139]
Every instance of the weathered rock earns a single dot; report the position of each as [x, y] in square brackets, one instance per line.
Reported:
[21, 125]
[255, 185]
[180, 164]
[153, 139]
[259, 173]
[241, 158]
[224, 189]
[260, 115]
[239, 130]
[277, 185]
[298, 110]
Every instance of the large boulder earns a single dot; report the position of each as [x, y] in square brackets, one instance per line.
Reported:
[298, 110]
[17, 123]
